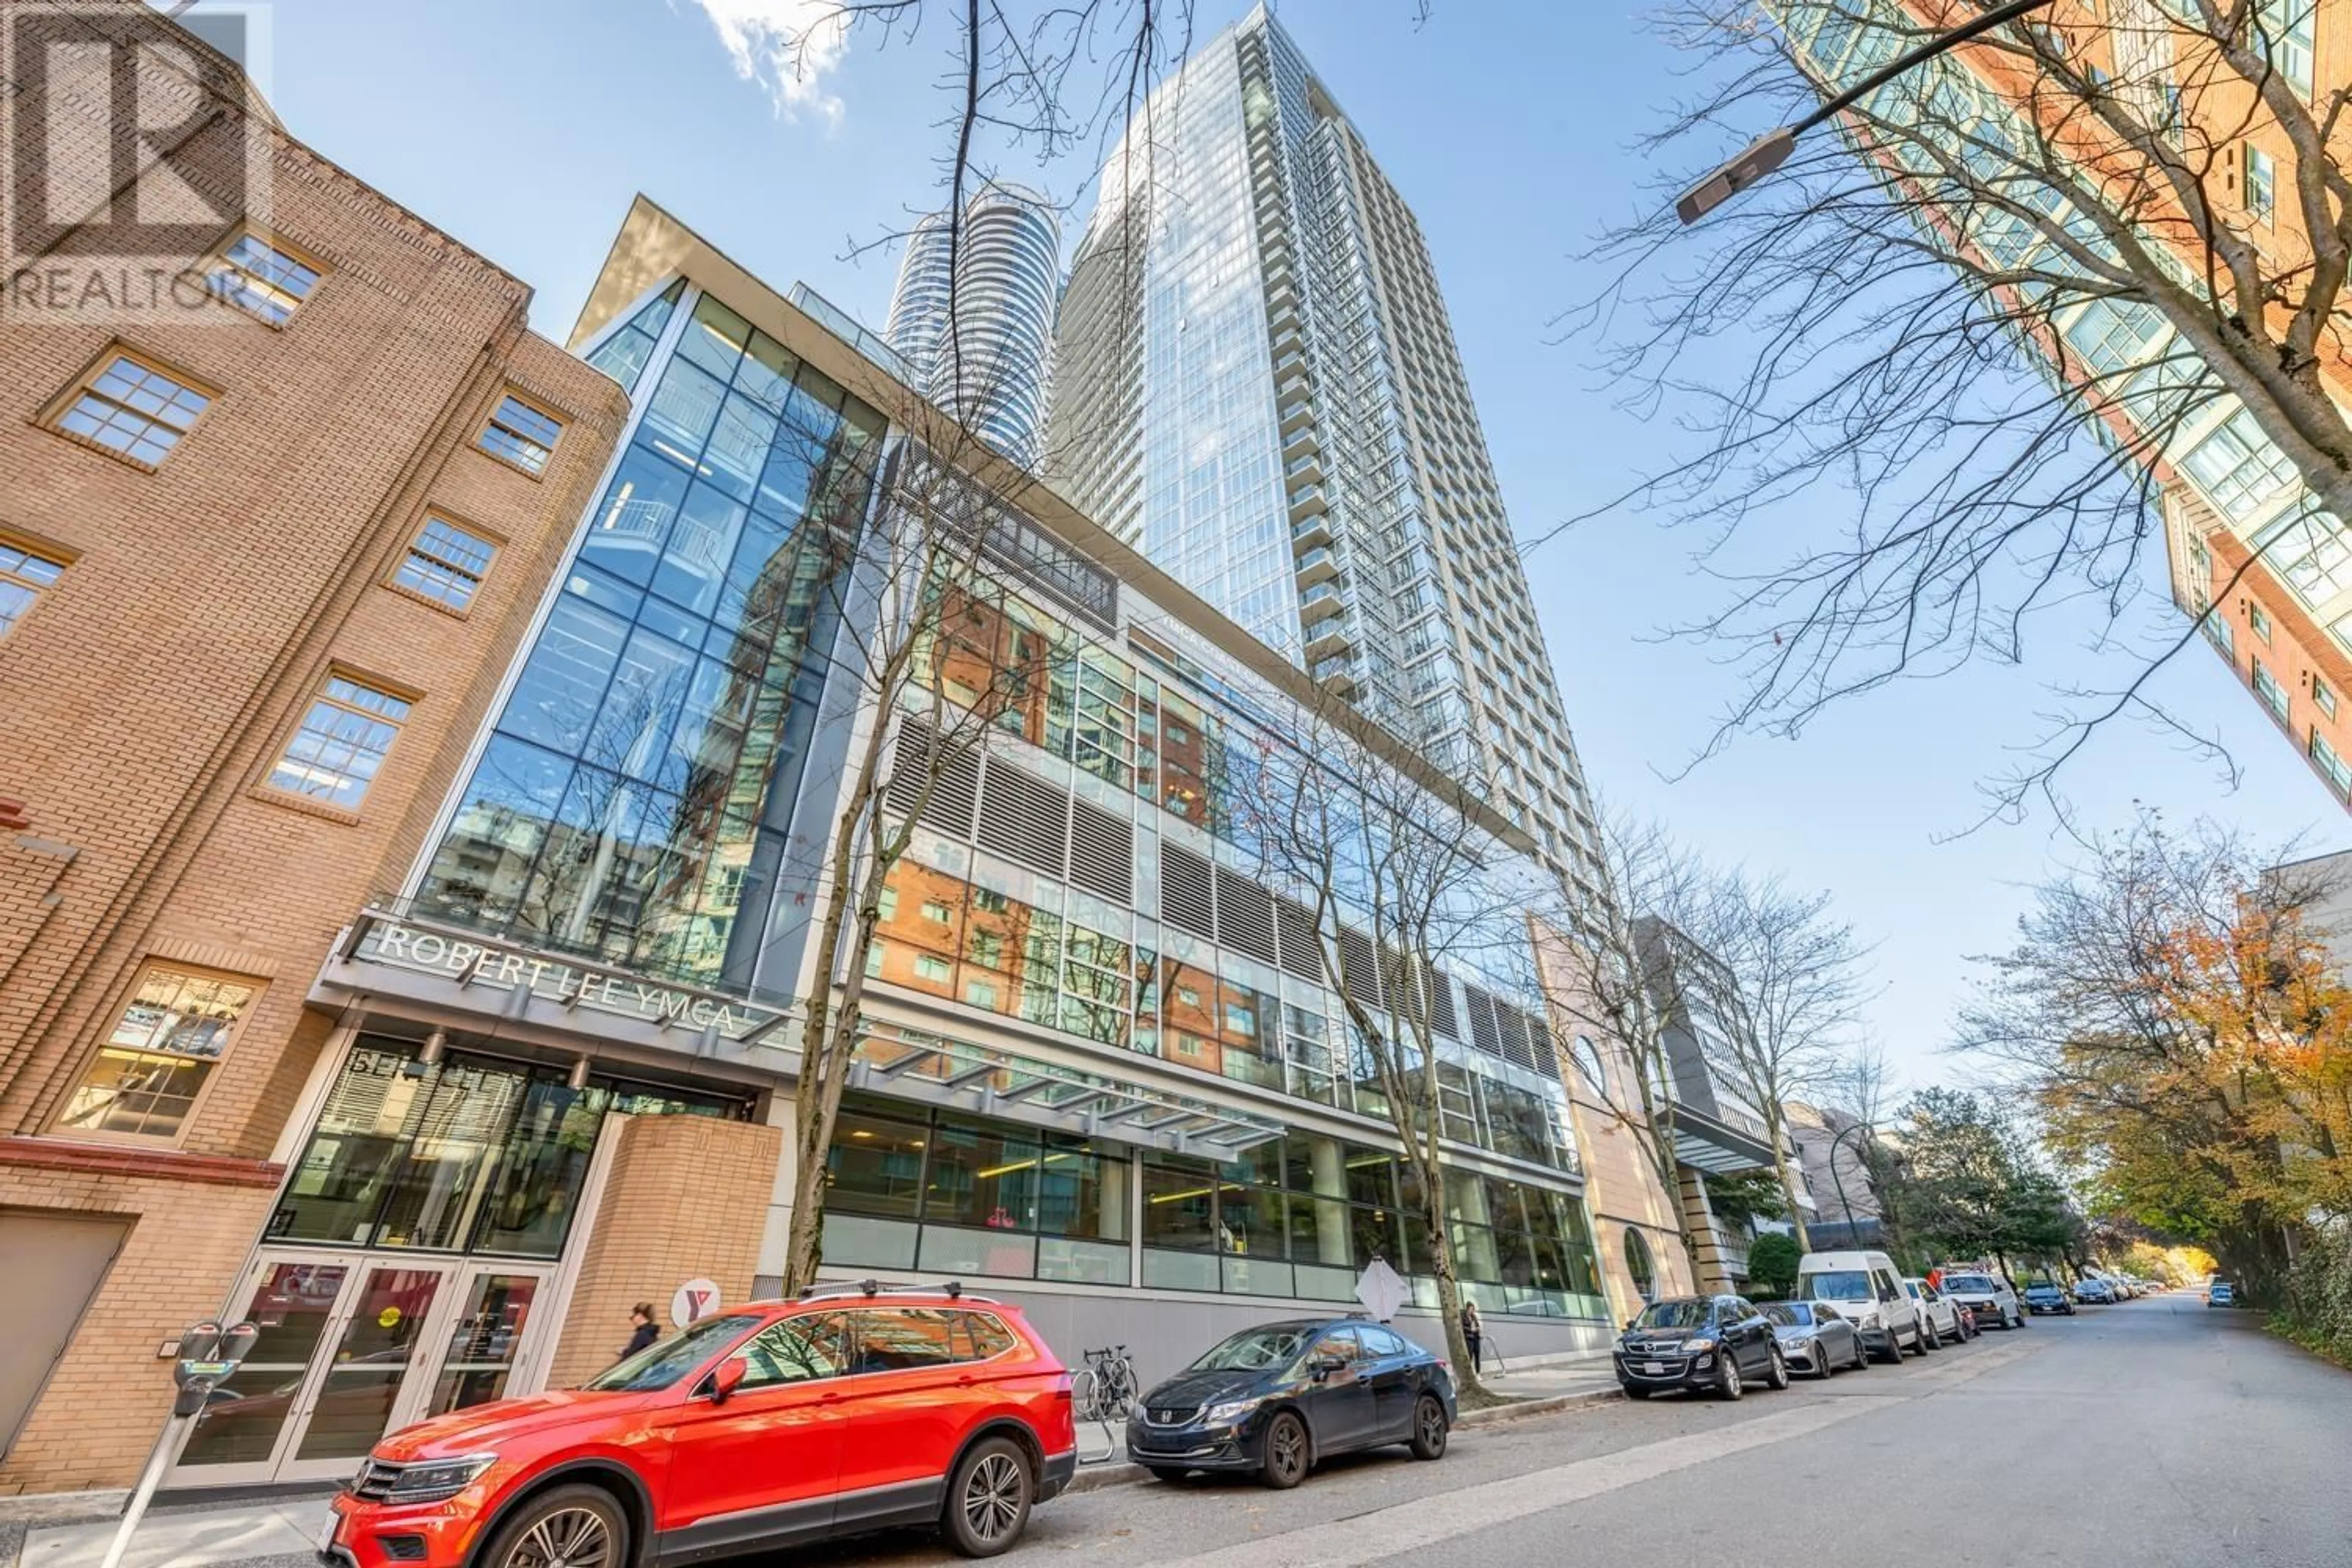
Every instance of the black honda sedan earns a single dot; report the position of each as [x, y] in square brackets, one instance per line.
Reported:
[1706, 1344]
[1273, 1400]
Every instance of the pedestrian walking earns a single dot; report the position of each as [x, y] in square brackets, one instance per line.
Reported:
[1473, 1330]
[643, 1331]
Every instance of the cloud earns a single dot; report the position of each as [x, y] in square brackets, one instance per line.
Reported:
[788, 47]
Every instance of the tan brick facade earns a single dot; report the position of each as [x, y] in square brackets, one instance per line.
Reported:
[147, 693]
[686, 1198]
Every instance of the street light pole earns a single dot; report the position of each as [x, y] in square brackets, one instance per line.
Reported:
[1838, 1177]
[1770, 150]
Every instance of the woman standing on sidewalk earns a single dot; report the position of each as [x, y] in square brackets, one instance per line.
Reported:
[1473, 1330]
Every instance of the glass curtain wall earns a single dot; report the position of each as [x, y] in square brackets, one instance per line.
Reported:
[466, 1155]
[1298, 1217]
[630, 804]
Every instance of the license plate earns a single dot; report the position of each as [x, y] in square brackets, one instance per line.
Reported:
[334, 1527]
[1654, 1368]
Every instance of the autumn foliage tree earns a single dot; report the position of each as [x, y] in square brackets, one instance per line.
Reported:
[2189, 1039]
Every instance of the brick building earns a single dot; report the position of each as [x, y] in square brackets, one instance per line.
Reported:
[263, 560]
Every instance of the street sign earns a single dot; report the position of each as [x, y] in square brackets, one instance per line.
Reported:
[1379, 1289]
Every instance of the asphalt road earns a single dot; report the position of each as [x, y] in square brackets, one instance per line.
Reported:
[2151, 1433]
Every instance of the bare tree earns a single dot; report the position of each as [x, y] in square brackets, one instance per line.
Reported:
[1799, 975]
[2014, 284]
[1398, 882]
[1599, 975]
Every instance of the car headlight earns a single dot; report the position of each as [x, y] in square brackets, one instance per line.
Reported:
[1698, 1347]
[1866, 1320]
[1231, 1411]
[437, 1480]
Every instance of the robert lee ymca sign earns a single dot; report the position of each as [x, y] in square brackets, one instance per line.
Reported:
[470, 961]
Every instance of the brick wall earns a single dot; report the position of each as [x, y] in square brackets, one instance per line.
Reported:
[106, 1402]
[147, 693]
[684, 1199]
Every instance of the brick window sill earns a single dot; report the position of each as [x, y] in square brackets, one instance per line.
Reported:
[295, 802]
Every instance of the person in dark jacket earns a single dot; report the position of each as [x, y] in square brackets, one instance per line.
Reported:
[1473, 1330]
[643, 1332]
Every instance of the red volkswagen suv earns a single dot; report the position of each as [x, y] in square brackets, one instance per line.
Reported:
[772, 1425]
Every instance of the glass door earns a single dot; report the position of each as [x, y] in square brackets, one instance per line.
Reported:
[294, 1302]
[380, 1331]
[485, 1340]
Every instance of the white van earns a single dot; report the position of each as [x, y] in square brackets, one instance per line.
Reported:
[1866, 1289]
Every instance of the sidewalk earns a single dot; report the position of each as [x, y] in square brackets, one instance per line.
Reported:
[1551, 1378]
[285, 1530]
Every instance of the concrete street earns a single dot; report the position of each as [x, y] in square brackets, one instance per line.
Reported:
[2153, 1433]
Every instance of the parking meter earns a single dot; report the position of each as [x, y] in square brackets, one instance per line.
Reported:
[208, 1354]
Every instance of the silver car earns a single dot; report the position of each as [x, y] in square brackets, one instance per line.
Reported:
[1814, 1340]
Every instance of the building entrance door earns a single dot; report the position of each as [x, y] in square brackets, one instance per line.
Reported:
[352, 1346]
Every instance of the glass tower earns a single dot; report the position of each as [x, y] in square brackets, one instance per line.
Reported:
[995, 276]
[1257, 385]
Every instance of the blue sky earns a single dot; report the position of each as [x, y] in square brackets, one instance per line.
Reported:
[523, 127]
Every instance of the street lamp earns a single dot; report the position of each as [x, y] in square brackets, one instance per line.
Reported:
[1770, 150]
[1838, 1176]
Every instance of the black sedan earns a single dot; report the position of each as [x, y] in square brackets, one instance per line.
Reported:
[1814, 1338]
[1706, 1344]
[1273, 1400]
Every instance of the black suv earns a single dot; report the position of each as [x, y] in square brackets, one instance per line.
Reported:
[1708, 1343]
[1274, 1399]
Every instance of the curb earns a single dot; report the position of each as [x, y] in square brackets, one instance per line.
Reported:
[1121, 1473]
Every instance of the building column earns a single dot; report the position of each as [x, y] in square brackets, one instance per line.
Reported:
[1713, 1277]
[1331, 1232]
[775, 1231]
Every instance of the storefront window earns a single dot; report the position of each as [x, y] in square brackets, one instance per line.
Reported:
[876, 1165]
[982, 1178]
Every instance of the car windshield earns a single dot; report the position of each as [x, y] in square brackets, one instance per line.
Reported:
[1967, 1282]
[1840, 1285]
[664, 1362]
[1688, 1314]
[1253, 1349]
[1791, 1314]
[2042, 1289]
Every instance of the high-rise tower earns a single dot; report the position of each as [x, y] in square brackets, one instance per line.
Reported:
[1258, 385]
[995, 277]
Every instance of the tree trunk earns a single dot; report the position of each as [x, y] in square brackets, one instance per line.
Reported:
[1774, 1131]
[1466, 1381]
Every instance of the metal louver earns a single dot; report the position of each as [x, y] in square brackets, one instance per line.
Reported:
[1483, 1033]
[1185, 901]
[1512, 1025]
[1440, 990]
[1102, 852]
[1245, 916]
[1361, 980]
[1024, 818]
[1539, 1045]
[953, 796]
[1302, 950]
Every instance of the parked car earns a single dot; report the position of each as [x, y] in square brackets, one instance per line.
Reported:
[2048, 1296]
[1815, 1339]
[1986, 1299]
[772, 1425]
[2095, 1293]
[1866, 1289]
[1704, 1343]
[2220, 1293]
[1272, 1400]
[1940, 1316]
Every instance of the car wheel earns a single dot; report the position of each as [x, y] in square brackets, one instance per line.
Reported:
[1430, 1428]
[1776, 1376]
[988, 1499]
[581, 1525]
[1727, 1381]
[1861, 1354]
[1285, 1452]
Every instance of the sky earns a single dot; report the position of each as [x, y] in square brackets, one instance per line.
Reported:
[524, 127]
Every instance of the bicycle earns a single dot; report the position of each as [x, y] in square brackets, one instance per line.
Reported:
[1104, 1389]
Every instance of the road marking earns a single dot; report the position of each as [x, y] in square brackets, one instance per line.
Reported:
[1426, 1521]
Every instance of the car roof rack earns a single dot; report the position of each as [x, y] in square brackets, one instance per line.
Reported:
[952, 1289]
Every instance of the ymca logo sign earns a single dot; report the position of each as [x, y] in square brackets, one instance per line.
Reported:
[694, 1301]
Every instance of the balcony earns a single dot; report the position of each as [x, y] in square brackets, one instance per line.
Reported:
[1338, 676]
[1296, 417]
[1333, 640]
[1307, 467]
[1313, 533]
[1320, 603]
[1306, 503]
[1317, 566]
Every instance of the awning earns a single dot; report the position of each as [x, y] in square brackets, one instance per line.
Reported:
[908, 1064]
[1706, 1144]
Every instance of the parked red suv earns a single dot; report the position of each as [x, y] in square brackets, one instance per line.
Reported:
[771, 1426]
